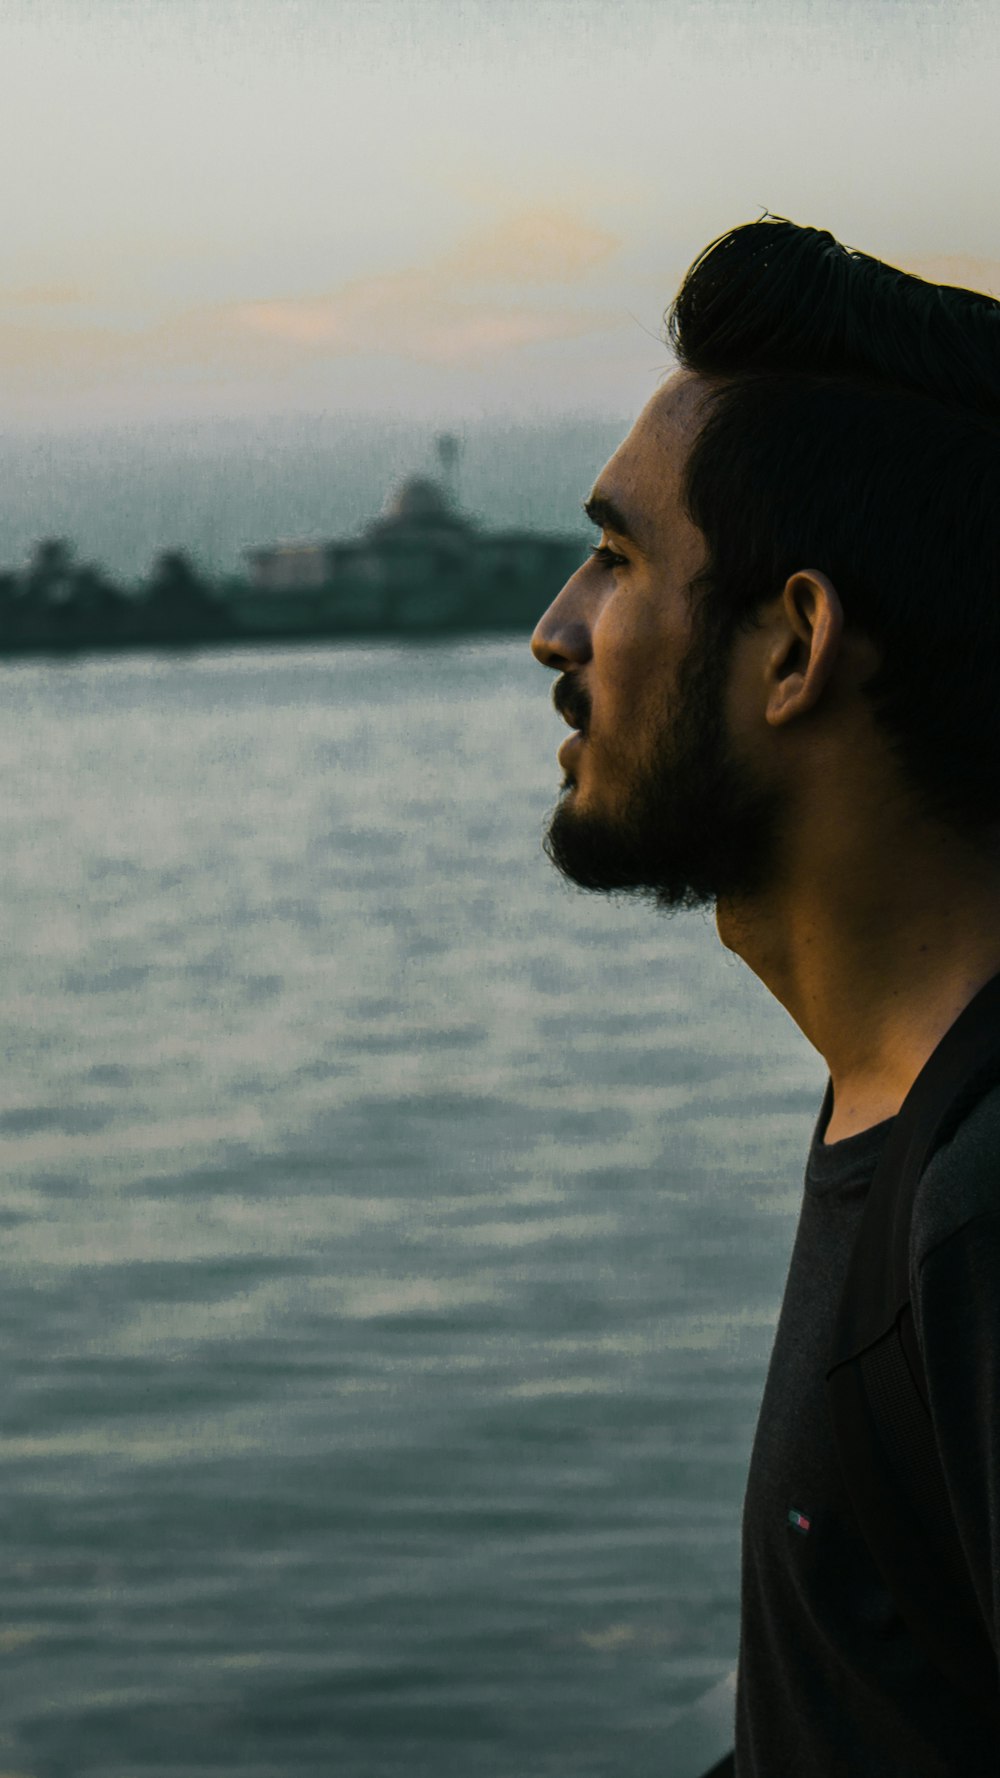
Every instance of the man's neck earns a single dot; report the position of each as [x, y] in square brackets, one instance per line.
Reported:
[874, 958]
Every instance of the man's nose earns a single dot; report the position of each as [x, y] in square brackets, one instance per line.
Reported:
[562, 634]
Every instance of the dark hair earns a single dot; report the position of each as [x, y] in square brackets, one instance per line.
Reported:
[855, 428]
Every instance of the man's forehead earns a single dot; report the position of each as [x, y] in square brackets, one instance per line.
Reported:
[642, 480]
[666, 428]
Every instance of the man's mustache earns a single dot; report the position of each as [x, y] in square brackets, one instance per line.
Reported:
[572, 701]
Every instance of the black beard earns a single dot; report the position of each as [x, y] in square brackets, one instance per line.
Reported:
[695, 829]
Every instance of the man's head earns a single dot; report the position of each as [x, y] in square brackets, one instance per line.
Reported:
[816, 492]
[654, 798]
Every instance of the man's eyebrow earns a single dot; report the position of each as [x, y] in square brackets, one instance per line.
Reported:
[601, 510]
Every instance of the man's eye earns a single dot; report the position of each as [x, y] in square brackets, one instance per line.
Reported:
[607, 557]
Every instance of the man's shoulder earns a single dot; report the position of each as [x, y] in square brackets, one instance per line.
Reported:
[961, 1181]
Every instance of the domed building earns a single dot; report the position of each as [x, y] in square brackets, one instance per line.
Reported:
[418, 502]
[419, 565]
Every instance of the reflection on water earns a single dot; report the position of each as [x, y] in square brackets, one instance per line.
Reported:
[393, 1236]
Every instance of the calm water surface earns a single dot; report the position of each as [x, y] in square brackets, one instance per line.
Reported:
[393, 1236]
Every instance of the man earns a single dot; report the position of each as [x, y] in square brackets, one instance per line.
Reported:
[781, 664]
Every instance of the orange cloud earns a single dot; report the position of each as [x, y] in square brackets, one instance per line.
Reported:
[537, 246]
[41, 296]
[50, 354]
[465, 307]
[413, 314]
[958, 268]
[450, 311]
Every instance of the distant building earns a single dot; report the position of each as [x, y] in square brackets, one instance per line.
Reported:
[421, 565]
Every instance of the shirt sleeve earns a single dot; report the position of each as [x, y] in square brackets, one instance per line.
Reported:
[957, 1317]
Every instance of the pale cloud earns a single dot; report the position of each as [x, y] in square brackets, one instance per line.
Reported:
[536, 246]
[466, 307]
[48, 355]
[41, 296]
[450, 310]
[982, 275]
[413, 314]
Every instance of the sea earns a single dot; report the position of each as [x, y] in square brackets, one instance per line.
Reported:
[392, 1235]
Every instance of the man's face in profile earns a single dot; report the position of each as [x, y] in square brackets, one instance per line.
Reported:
[654, 796]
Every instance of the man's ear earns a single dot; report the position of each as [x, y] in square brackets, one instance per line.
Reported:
[807, 629]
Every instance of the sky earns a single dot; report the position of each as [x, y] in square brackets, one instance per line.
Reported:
[431, 212]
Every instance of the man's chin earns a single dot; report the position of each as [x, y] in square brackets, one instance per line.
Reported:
[589, 852]
[595, 854]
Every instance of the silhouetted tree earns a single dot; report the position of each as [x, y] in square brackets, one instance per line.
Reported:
[175, 580]
[180, 601]
[98, 603]
[49, 580]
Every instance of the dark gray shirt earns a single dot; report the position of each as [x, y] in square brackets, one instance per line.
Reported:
[830, 1681]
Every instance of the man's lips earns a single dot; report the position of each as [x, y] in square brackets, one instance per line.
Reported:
[571, 746]
[573, 705]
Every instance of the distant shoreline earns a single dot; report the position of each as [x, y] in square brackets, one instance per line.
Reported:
[55, 646]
